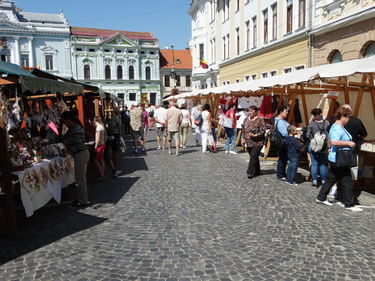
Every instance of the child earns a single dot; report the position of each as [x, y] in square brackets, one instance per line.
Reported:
[293, 147]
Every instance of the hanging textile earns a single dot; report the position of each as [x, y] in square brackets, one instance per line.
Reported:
[266, 108]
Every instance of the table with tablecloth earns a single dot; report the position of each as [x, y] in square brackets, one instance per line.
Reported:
[44, 181]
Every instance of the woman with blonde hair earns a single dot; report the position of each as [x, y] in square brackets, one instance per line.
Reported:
[100, 139]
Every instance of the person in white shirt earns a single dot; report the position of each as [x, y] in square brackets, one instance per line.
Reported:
[206, 127]
[185, 124]
[196, 113]
[160, 121]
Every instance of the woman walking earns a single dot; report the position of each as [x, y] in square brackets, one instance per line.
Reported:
[231, 132]
[100, 139]
[196, 115]
[340, 140]
[282, 126]
[317, 134]
[253, 130]
[206, 127]
[74, 141]
[185, 124]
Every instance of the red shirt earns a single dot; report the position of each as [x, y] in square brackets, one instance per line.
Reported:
[232, 115]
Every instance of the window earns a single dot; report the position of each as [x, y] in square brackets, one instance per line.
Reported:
[106, 50]
[265, 26]
[201, 51]
[25, 60]
[119, 72]
[254, 32]
[142, 52]
[224, 48]
[121, 96]
[188, 81]
[247, 78]
[152, 98]
[289, 16]
[228, 44]
[118, 51]
[167, 81]
[131, 72]
[247, 35]
[5, 55]
[152, 53]
[213, 9]
[86, 72]
[264, 75]
[178, 81]
[238, 5]
[238, 40]
[148, 73]
[253, 76]
[299, 67]
[273, 73]
[132, 97]
[226, 10]
[336, 57]
[130, 51]
[302, 13]
[49, 62]
[213, 50]
[370, 50]
[237, 80]
[107, 72]
[287, 70]
[274, 22]
[79, 49]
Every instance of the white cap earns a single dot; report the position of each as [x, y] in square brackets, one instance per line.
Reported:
[136, 104]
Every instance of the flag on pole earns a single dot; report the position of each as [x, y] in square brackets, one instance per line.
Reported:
[204, 64]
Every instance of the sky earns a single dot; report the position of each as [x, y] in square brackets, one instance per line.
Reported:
[168, 20]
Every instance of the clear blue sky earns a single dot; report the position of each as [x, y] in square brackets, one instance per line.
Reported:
[168, 20]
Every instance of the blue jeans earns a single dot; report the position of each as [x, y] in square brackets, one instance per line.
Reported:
[282, 162]
[231, 138]
[292, 169]
[319, 163]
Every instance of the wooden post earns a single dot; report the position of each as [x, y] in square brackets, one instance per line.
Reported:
[81, 113]
[359, 97]
[371, 78]
[291, 109]
[304, 105]
[96, 107]
[7, 216]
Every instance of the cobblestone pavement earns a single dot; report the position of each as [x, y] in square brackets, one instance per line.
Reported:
[193, 217]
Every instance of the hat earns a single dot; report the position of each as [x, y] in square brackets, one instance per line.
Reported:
[136, 104]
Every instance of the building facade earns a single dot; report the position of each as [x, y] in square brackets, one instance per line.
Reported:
[35, 39]
[343, 30]
[175, 71]
[122, 63]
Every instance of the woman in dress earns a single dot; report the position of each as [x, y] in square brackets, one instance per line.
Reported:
[206, 127]
[185, 124]
[340, 138]
[253, 130]
[100, 139]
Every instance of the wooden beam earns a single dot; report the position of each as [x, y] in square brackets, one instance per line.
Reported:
[81, 113]
[346, 92]
[304, 105]
[291, 109]
[359, 97]
[371, 78]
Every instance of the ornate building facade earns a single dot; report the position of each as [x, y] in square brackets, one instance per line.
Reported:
[35, 39]
[122, 63]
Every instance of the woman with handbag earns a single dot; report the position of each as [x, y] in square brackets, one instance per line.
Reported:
[341, 158]
[253, 130]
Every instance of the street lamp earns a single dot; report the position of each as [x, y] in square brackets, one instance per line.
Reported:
[173, 72]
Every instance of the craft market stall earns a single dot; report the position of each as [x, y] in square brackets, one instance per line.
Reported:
[349, 82]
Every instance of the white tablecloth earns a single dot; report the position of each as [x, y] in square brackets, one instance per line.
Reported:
[36, 193]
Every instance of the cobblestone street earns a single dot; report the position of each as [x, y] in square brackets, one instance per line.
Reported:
[193, 217]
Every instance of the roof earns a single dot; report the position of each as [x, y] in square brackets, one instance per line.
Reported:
[107, 33]
[40, 17]
[10, 68]
[341, 69]
[183, 59]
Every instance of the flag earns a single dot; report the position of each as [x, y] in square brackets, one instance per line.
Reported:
[204, 64]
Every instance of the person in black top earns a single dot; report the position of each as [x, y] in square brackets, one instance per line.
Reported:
[356, 129]
[125, 116]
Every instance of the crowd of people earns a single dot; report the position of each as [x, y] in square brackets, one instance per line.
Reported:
[326, 142]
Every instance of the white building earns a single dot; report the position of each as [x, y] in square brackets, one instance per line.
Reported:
[122, 63]
[35, 39]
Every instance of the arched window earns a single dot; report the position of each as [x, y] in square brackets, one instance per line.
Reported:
[370, 50]
[335, 57]
[119, 72]
[86, 72]
[5, 55]
[131, 72]
[107, 72]
[148, 73]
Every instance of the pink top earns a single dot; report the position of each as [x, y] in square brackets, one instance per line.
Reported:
[145, 118]
[231, 114]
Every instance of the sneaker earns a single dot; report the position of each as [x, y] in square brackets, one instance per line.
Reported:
[184, 146]
[338, 203]
[354, 209]
[136, 151]
[115, 173]
[170, 152]
[233, 152]
[293, 184]
[158, 148]
[327, 203]
[144, 149]
[226, 151]
[314, 184]
[282, 179]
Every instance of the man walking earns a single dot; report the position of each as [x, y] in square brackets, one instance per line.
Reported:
[136, 115]
[160, 120]
[174, 119]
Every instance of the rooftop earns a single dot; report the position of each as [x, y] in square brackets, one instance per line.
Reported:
[107, 33]
[182, 58]
[40, 17]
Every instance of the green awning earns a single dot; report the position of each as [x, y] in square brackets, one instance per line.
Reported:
[36, 85]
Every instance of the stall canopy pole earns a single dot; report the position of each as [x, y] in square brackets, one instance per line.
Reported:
[346, 91]
[371, 78]
[304, 105]
[360, 96]
[81, 114]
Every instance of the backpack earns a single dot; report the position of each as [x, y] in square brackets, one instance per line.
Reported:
[198, 121]
[276, 138]
[151, 114]
[319, 142]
